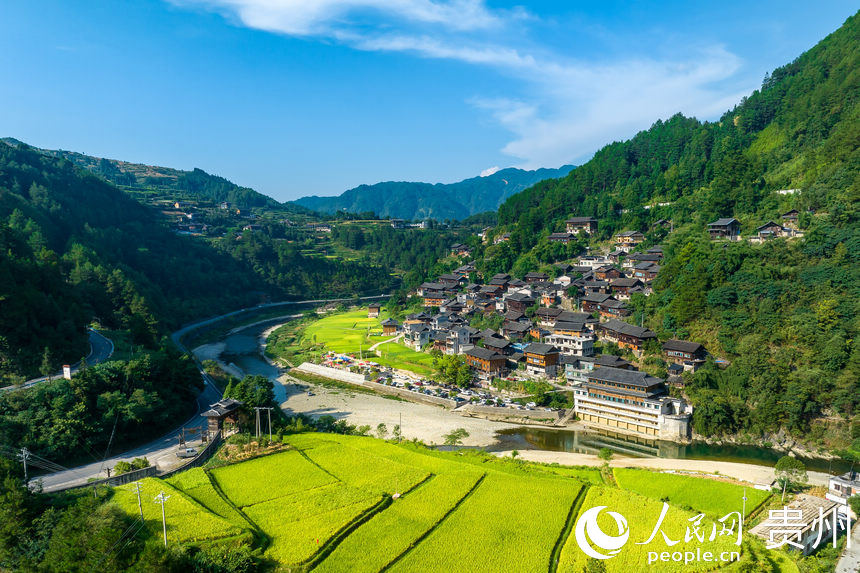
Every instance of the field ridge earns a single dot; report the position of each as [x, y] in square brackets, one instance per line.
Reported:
[555, 555]
[260, 536]
[424, 535]
[339, 536]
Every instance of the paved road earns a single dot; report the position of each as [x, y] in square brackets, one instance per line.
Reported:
[161, 452]
[849, 562]
[101, 349]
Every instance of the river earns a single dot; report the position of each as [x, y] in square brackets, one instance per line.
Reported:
[242, 349]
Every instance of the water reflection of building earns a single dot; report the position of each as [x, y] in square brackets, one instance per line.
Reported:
[591, 442]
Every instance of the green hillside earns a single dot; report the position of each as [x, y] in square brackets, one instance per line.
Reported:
[183, 185]
[77, 249]
[784, 313]
[457, 201]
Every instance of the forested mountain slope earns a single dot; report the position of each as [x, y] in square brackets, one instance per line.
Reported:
[784, 313]
[195, 184]
[77, 249]
[440, 201]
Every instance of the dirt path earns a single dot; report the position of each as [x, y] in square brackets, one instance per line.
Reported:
[743, 472]
[374, 347]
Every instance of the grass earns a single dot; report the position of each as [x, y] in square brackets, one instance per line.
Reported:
[298, 530]
[715, 498]
[346, 333]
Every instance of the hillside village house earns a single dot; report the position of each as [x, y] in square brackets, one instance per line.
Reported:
[840, 488]
[519, 302]
[390, 327]
[629, 239]
[725, 228]
[688, 354]
[623, 288]
[607, 272]
[373, 310]
[632, 402]
[582, 345]
[416, 335]
[564, 238]
[634, 259]
[612, 308]
[541, 359]
[485, 361]
[646, 271]
[771, 230]
[625, 335]
[515, 330]
[791, 218]
[536, 277]
[578, 225]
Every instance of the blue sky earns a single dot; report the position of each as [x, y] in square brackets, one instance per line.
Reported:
[300, 97]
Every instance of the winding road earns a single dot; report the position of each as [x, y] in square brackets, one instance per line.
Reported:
[101, 349]
[161, 451]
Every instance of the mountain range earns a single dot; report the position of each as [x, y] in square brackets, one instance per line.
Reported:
[440, 201]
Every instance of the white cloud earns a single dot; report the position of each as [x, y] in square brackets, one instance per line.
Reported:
[572, 108]
[490, 170]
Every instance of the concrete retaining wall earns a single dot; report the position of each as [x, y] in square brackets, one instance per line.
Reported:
[333, 373]
[511, 414]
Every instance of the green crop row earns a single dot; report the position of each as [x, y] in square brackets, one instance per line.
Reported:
[269, 477]
[362, 469]
[299, 529]
[196, 484]
[642, 515]
[712, 497]
[394, 530]
[187, 520]
[507, 524]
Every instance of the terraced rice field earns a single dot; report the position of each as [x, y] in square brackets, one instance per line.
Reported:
[187, 520]
[712, 497]
[348, 503]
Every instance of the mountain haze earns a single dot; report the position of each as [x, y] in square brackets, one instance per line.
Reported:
[410, 200]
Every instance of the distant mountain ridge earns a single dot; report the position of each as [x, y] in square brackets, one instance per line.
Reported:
[196, 183]
[413, 200]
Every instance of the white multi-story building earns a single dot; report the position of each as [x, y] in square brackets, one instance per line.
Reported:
[572, 345]
[633, 402]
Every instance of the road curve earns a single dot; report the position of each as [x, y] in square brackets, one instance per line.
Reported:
[101, 348]
[164, 448]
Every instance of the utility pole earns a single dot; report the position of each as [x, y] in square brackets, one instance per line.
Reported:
[744, 511]
[24, 456]
[161, 498]
[257, 426]
[269, 414]
[136, 488]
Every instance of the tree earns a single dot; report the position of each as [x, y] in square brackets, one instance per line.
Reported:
[396, 433]
[605, 454]
[854, 502]
[790, 472]
[455, 437]
[454, 370]
[594, 566]
[382, 431]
